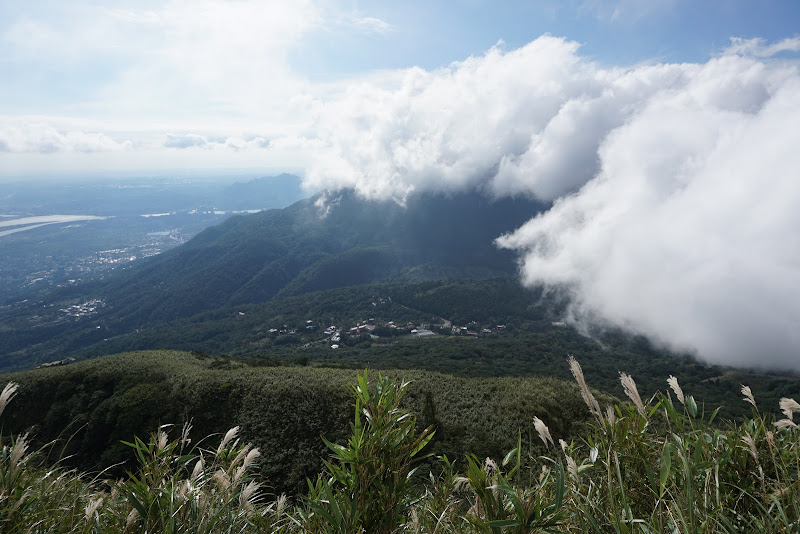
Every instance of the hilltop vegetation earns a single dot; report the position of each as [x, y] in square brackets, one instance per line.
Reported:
[283, 410]
[651, 465]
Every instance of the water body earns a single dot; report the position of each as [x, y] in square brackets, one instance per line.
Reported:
[29, 223]
[49, 219]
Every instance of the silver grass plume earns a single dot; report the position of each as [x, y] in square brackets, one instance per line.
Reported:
[229, 435]
[789, 406]
[91, 508]
[588, 398]
[8, 393]
[748, 396]
[784, 423]
[185, 439]
[673, 384]
[246, 497]
[162, 440]
[633, 394]
[611, 416]
[747, 439]
[544, 432]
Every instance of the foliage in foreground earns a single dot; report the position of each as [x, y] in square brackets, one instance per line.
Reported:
[653, 465]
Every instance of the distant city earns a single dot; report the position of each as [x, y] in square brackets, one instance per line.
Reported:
[73, 231]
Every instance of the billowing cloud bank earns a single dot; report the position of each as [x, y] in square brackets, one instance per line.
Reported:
[675, 185]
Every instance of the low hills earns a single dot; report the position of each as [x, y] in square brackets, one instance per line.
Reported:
[283, 410]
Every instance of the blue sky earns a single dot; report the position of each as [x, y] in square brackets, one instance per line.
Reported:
[432, 34]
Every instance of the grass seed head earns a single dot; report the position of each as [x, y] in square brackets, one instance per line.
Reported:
[198, 468]
[748, 395]
[248, 461]
[246, 497]
[19, 450]
[747, 439]
[460, 484]
[789, 406]
[611, 416]
[782, 424]
[544, 432]
[162, 440]
[8, 393]
[572, 467]
[131, 520]
[633, 394]
[770, 436]
[222, 479]
[240, 455]
[673, 384]
[588, 398]
[185, 439]
[490, 467]
[280, 504]
[229, 435]
[91, 508]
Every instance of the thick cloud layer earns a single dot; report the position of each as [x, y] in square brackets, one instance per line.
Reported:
[675, 185]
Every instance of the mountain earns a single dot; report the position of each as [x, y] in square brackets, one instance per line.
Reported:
[119, 197]
[295, 250]
[268, 191]
[308, 246]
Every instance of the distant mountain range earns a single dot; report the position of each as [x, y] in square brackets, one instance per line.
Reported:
[136, 196]
[279, 253]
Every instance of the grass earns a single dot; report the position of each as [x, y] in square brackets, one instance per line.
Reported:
[660, 464]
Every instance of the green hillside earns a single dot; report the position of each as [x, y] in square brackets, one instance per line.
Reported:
[283, 410]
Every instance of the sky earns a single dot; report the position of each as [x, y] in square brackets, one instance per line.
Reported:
[665, 132]
[93, 86]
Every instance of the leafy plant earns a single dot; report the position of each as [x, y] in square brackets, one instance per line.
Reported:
[369, 482]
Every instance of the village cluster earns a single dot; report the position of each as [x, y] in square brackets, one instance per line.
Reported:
[334, 334]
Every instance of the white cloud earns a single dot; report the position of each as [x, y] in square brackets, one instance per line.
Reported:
[20, 136]
[758, 48]
[370, 24]
[689, 232]
[171, 61]
[674, 184]
[527, 121]
[184, 141]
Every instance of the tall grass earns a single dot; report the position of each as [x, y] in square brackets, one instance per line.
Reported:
[661, 464]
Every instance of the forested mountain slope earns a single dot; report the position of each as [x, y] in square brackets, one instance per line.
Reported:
[273, 254]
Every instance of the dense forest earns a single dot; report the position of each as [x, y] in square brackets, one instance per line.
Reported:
[283, 410]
